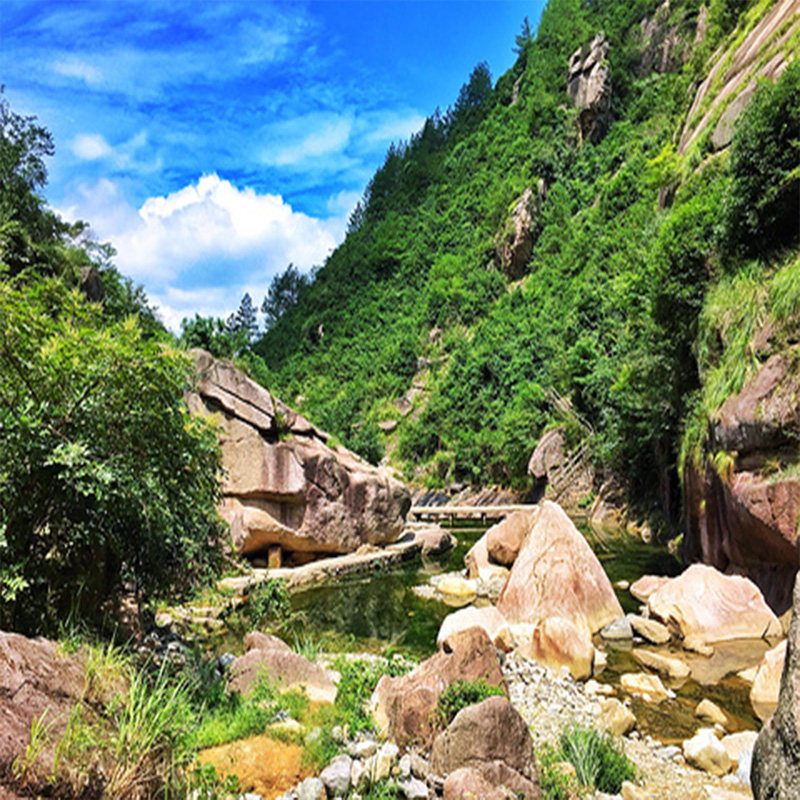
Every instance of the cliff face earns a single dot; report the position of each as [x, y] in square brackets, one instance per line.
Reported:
[743, 516]
[285, 486]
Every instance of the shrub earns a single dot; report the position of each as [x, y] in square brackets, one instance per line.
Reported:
[461, 694]
[598, 761]
[269, 602]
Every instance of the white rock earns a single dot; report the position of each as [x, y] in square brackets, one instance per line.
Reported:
[336, 776]
[705, 751]
[311, 789]
[413, 789]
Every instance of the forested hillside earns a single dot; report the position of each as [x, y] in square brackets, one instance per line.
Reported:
[635, 207]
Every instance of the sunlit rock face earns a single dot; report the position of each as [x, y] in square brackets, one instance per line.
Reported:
[589, 88]
[284, 486]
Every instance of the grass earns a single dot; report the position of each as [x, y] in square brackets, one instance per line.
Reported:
[461, 694]
[599, 762]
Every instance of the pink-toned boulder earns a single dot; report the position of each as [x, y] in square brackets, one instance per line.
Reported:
[706, 606]
[558, 642]
[480, 566]
[268, 658]
[767, 682]
[404, 707]
[556, 574]
[503, 541]
[37, 681]
[469, 784]
[646, 585]
[486, 617]
[284, 485]
[492, 738]
[435, 540]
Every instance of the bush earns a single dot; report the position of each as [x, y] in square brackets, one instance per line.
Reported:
[598, 761]
[461, 694]
[106, 481]
[269, 602]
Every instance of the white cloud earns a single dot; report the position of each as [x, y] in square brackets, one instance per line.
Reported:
[91, 146]
[395, 129]
[77, 68]
[197, 250]
[306, 138]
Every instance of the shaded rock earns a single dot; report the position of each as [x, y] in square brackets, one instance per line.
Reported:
[404, 707]
[672, 668]
[589, 88]
[649, 629]
[556, 574]
[503, 541]
[558, 642]
[486, 617]
[36, 678]
[767, 682]
[92, 284]
[284, 486]
[775, 771]
[618, 630]
[492, 738]
[478, 564]
[615, 717]
[712, 607]
[286, 669]
[548, 455]
[705, 751]
[469, 784]
[641, 684]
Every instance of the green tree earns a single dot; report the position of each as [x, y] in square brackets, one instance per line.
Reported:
[284, 291]
[246, 320]
[106, 482]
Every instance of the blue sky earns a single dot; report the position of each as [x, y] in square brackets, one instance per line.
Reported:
[214, 142]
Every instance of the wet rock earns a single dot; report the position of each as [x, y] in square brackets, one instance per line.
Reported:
[649, 629]
[618, 630]
[556, 574]
[705, 751]
[712, 607]
[404, 707]
[486, 617]
[641, 684]
[492, 738]
[672, 668]
[615, 717]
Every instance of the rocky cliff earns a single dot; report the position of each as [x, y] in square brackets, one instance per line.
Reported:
[285, 485]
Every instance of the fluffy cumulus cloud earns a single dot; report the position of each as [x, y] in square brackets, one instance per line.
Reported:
[198, 249]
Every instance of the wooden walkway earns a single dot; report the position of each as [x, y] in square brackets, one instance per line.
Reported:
[466, 512]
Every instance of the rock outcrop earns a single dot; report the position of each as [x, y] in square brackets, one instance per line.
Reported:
[548, 456]
[37, 681]
[404, 707]
[492, 738]
[775, 771]
[589, 88]
[557, 575]
[744, 519]
[284, 485]
[516, 240]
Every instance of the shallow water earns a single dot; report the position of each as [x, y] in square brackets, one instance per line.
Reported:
[381, 613]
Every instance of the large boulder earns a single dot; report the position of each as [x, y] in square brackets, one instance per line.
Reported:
[469, 784]
[268, 658]
[556, 574]
[38, 680]
[486, 617]
[516, 240]
[558, 642]
[504, 540]
[589, 88]
[284, 485]
[404, 708]
[775, 771]
[492, 738]
[548, 455]
[706, 606]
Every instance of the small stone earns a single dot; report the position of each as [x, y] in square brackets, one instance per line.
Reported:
[712, 713]
[380, 765]
[311, 789]
[413, 789]
[619, 629]
[404, 766]
[336, 776]
[363, 749]
[698, 646]
[615, 717]
[704, 751]
[648, 687]
[358, 774]
[632, 792]
[420, 768]
[736, 744]
[649, 629]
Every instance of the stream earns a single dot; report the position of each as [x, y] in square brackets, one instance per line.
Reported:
[381, 613]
